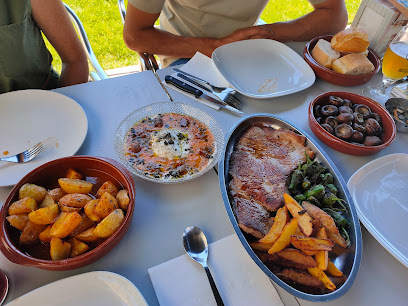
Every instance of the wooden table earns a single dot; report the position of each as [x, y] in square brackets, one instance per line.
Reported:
[163, 211]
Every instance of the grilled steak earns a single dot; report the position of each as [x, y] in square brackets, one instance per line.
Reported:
[262, 160]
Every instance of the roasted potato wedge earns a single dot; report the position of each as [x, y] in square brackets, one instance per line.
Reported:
[279, 223]
[75, 186]
[77, 247]
[89, 210]
[322, 257]
[297, 257]
[311, 243]
[106, 204]
[32, 191]
[284, 239]
[73, 174]
[325, 219]
[31, 232]
[123, 199]
[65, 224]
[59, 249]
[56, 194]
[85, 224]
[333, 270]
[87, 236]
[48, 201]
[297, 211]
[107, 186]
[45, 235]
[45, 215]
[260, 246]
[18, 221]
[321, 276]
[298, 277]
[77, 200]
[337, 238]
[109, 224]
[22, 206]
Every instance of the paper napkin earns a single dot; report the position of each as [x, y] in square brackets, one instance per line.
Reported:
[203, 67]
[182, 281]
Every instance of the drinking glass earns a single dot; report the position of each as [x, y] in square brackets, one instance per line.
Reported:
[394, 67]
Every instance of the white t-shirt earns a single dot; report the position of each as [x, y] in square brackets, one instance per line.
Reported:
[205, 18]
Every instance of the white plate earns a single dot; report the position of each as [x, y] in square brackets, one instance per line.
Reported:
[263, 68]
[92, 289]
[379, 190]
[30, 116]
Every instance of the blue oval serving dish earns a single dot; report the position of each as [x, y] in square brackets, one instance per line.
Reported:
[348, 260]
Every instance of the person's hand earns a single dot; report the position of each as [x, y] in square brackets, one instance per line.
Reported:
[247, 33]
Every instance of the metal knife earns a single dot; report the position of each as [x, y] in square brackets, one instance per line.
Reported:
[180, 84]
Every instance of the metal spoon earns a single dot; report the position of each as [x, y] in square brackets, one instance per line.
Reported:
[196, 246]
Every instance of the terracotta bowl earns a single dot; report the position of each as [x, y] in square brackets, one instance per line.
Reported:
[47, 175]
[341, 145]
[333, 77]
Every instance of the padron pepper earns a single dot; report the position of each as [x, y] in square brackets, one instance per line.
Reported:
[316, 191]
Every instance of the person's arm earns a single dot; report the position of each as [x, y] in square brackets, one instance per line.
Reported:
[141, 36]
[53, 20]
[327, 18]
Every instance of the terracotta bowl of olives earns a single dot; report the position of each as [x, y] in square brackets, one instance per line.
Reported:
[350, 123]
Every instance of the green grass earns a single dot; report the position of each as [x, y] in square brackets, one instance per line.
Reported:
[103, 26]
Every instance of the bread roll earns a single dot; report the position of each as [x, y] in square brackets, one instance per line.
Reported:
[324, 54]
[351, 40]
[353, 64]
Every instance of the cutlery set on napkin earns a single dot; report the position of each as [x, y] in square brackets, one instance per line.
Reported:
[196, 78]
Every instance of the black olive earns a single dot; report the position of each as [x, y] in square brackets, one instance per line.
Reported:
[359, 127]
[357, 137]
[358, 118]
[372, 141]
[364, 110]
[316, 110]
[332, 121]
[328, 128]
[343, 131]
[347, 102]
[345, 109]
[345, 117]
[372, 127]
[376, 117]
[337, 101]
[329, 110]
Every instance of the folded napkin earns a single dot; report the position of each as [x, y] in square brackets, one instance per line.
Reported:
[182, 281]
[203, 67]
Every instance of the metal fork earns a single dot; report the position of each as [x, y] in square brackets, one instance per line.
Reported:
[25, 156]
[226, 95]
[213, 87]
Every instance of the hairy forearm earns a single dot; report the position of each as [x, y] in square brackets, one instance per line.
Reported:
[155, 41]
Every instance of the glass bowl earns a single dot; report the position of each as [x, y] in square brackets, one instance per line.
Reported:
[163, 108]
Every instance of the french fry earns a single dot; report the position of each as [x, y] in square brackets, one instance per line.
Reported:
[325, 219]
[297, 257]
[18, 221]
[22, 206]
[77, 247]
[59, 249]
[311, 243]
[109, 224]
[260, 246]
[284, 239]
[281, 219]
[309, 252]
[322, 257]
[73, 174]
[32, 191]
[332, 269]
[321, 276]
[75, 186]
[107, 186]
[65, 224]
[297, 211]
[45, 215]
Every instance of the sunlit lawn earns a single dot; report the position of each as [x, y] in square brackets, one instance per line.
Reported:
[104, 27]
